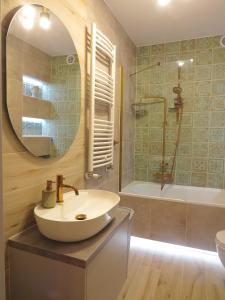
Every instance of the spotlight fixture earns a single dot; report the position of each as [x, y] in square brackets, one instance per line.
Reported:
[27, 17]
[164, 2]
[44, 21]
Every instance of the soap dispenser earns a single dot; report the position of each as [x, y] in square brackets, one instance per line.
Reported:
[49, 196]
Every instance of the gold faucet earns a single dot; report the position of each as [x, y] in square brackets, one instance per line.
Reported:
[60, 186]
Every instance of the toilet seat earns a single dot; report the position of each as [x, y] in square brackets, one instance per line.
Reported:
[220, 238]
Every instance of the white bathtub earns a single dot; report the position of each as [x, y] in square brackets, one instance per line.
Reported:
[178, 193]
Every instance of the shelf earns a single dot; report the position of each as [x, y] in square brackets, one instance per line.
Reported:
[37, 108]
[37, 144]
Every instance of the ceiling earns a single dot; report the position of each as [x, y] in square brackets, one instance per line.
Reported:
[148, 23]
[55, 41]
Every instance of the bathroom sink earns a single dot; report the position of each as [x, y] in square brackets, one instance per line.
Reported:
[79, 217]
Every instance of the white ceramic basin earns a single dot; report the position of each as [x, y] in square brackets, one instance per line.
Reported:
[60, 223]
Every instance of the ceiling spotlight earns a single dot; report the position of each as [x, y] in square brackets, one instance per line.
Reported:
[28, 11]
[27, 16]
[44, 21]
[164, 2]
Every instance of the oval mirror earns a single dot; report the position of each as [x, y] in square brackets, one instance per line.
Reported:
[43, 82]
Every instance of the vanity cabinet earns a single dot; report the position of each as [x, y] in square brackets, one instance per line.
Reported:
[95, 269]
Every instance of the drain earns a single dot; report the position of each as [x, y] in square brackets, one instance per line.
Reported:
[81, 217]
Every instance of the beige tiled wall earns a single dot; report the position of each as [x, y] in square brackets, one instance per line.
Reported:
[201, 153]
[181, 223]
[24, 175]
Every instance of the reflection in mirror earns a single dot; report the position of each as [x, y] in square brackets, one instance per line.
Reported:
[43, 82]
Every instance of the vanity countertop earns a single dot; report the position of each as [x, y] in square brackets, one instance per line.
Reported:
[77, 253]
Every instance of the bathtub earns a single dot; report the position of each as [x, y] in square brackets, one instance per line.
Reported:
[183, 215]
[172, 192]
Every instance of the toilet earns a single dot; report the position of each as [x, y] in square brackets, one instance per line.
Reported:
[220, 245]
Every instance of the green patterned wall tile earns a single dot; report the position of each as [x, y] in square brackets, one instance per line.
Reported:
[215, 41]
[154, 59]
[218, 71]
[203, 88]
[156, 107]
[155, 162]
[188, 104]
[172, 47]
[199, 165]
[183, 164]
[204, 57]
[170, 148]
[203, 72]
[142, 121]
[188, 89]
[218, 87]
[155, 119]
[171, 73]
[215, 181]
[171, 134]
[218, 119]
[219, 56]
[143, 60]
[216, 150]
[216, 166]
[141, 133]
[171, 119]
[199, 179]
[200, 149]
[155, 90]
[188, 45]
[142, 147]
[203, 43]
[218, 103]
[156, 76]
[188, 72]
[185, 149]
[140, 161]
[187, 120]
[155, 148]
[144, 51]
[141, 174]
[189, 55]
[201, 120]
[200, 134]
[156, 49]
[172, 58]
[155, 134]
[202, 104]
[216, 135]
[183, 178]
[186, 135]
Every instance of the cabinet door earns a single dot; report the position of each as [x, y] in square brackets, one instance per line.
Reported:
[107, 272]
[34, 277]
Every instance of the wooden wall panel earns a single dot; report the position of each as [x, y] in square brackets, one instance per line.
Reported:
[25, 175]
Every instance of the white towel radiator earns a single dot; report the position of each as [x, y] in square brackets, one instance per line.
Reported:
[102, 94]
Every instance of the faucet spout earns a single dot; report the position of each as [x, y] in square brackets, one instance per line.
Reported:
[60, 186]
[72, 188]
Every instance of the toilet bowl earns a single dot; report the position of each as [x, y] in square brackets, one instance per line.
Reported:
[220, 245]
